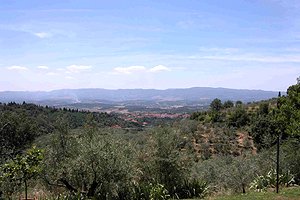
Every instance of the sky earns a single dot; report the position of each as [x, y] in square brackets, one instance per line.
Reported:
[243, 44]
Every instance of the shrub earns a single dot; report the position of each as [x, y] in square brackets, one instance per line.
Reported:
[227, 172]
[262, 182]
[158, 192]
[192, 189]
[97, 167]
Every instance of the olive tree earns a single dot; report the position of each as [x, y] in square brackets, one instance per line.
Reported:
[97, 164]
[22, 168]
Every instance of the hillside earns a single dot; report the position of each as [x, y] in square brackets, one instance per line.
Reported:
[201, 94]
[227, 148]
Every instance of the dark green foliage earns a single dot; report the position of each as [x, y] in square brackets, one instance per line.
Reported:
[263, 120]
[238, 118]
[263, 131]
[289, 111]
[20, 124]
[238, 173]
[290, 159]
[231, 173]
[20, 170]
[144, 191]
[191, 189]
[93, 163]
[100, 165]
[228, 104]
[238, 103]
[200, 116]
[216, 116]
[167, 163]
[263, 109]
[216, 105]
[17, 130]
[45, 117]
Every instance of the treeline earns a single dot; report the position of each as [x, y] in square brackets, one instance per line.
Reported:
[47, 116]
[21, 124]
[264, 120]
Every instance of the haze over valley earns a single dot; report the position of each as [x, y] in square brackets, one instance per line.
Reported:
[136, 99]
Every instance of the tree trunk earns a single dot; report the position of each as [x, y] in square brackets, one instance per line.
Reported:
[68, 185]
[244, 191]
[243, 187]
[25, 182]
[92, 189]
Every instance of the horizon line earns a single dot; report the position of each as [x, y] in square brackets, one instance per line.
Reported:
[95, 88]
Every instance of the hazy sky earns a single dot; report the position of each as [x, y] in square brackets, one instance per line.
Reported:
[53, 44]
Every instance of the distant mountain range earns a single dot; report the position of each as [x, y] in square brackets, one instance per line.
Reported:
[200, 94]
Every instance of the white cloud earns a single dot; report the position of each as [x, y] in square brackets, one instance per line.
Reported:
[234, 54]
[252, 58]
[43, 34]
[17, 68]
[129, 70]
[43, 67]
[136, 69]
[218, 50]
[69, 77]
[159, 68]
[77, 68]
[51, 74]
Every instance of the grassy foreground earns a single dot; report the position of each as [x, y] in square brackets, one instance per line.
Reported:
[285, 194]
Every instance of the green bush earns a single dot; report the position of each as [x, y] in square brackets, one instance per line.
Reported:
[143, 192]
[140, 192]
[192, 189]
[290, 158]
[261, 183]
[96, 165]
[158, 192]
[227, 172]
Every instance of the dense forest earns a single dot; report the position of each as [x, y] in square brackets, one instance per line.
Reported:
[55, 153]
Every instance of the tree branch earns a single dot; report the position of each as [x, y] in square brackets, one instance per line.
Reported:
[68, 185]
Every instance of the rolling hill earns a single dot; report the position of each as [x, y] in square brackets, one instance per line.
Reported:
[66, 96]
